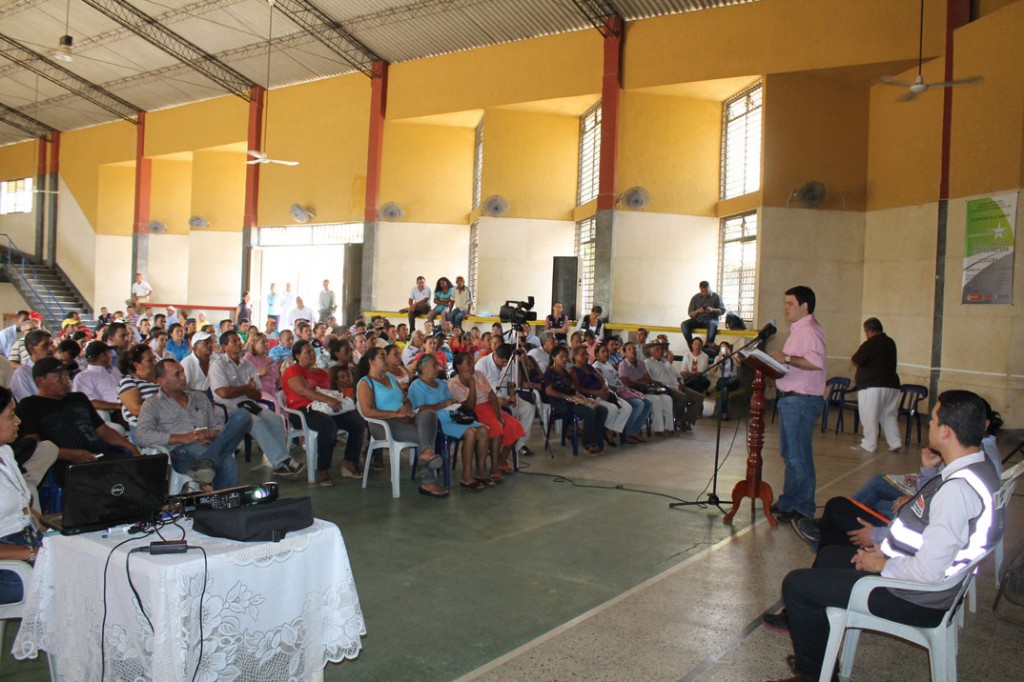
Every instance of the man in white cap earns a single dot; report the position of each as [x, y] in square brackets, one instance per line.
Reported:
[197, 363]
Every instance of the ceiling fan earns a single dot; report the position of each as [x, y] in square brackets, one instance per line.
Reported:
[257, 156]
[919, 86]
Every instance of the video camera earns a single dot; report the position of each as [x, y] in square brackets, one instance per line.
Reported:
[518, 312]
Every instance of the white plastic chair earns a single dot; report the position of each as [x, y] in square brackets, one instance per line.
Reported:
[394, 447]
[941, 641]
[303, 431]
[12, 611]
[1000, 500]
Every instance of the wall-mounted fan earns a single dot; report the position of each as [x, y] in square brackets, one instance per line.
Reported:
[809, 196]
[260, 157]
[301, 214]
[919, 86]
[198, 222]
[391, 211]
[635, 198]
[157, 226]
[495, 205]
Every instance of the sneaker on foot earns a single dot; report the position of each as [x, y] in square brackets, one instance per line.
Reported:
[808, 530]
[525, 452]
[779, 622]
[294, 466]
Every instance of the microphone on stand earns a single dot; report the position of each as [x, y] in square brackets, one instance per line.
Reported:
[767, 331]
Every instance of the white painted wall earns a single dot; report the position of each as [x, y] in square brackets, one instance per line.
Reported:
[825, 251]
[214, 267]
[407, 250]
[114, 276]
[168, 271]
[21, 228]
[516, 260]
[10, 300]
[658, 259]
[76, 244]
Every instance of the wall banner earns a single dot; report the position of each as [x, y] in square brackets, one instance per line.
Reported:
[988, 249]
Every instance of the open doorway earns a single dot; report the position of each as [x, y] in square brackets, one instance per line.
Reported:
[303, 257]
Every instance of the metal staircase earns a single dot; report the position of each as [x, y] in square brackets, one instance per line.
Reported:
[45, 288]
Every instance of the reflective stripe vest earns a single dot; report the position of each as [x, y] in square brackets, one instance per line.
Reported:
[906, 531]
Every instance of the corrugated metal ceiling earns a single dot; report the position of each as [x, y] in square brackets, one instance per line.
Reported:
[235, 31]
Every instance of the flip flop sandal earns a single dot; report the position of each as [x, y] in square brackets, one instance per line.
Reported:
[475, 486]
[433, 493]
[486, 482]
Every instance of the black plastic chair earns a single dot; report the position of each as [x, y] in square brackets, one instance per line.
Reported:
[911, 396]
[848, 404]
[837, 388]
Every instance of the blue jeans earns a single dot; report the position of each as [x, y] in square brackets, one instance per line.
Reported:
[878, 494]
[797, 416]
[641, 411]
[456, 316]
[689, 325]
[221, 451]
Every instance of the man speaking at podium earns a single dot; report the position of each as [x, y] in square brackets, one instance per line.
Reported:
[799, 400]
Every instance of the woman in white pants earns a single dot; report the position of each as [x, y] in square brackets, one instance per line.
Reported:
[589, 382]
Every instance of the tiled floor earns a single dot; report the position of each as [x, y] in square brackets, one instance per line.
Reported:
[577, 569]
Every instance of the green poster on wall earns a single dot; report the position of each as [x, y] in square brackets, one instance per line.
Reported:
[988, 249]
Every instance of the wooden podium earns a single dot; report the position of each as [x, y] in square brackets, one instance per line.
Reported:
[752, 486]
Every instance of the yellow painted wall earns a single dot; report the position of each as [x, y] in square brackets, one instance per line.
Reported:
[815, 128]
[116, 203]
[323, 125]
[18, 160]
[83, 152]
[172, 196]
[775, 36]
[671, 146]
[218, 189]
[195, 126]
[544, 68]
[428, 170]
[988, 135]
[531, 160]
[905, 144]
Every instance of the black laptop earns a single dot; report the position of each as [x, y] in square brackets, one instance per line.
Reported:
[104, 494]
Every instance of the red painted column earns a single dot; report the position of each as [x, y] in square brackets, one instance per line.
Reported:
[143, 178]
[611, 87]
[40, 198]
[252, 172]
[378, 109]
[958, 13]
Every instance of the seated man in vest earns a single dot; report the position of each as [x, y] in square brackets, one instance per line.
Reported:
[67, 419]
[202, 445]
[949, 523]
[235, 386]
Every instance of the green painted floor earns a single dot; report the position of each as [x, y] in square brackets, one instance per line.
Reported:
[449, 585]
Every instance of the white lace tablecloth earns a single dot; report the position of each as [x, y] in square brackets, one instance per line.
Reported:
[271, 611]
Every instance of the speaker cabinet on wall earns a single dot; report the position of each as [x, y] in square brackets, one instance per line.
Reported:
[564, 284]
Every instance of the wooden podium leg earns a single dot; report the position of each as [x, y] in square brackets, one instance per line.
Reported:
[752, 486]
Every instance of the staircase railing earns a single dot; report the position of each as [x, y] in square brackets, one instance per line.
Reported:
[18, 265]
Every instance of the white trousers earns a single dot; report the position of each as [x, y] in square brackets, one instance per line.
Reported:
[524, 411]
[617, 416]
[662, 415]
[879, 405]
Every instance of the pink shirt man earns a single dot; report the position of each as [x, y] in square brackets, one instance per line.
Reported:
[806, 340]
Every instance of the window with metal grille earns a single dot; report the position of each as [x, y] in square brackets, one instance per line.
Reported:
[16, 196]
[474, 258]
[478, 163]
[737, 263]
[741, 143]
[586, 233]
[309, 235]
[590, 155]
